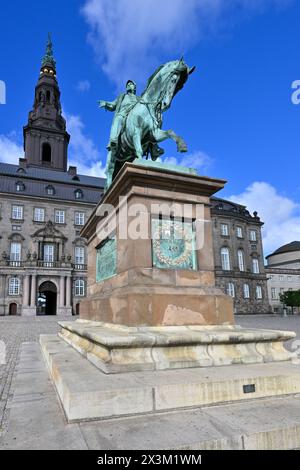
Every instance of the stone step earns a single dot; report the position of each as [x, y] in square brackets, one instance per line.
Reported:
[87, 393]
[38, 422]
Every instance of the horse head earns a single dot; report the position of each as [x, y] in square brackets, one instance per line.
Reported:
[165, 83]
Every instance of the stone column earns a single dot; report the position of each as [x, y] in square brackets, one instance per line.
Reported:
[33, 291]
[26, 291]
[62, 291]
[68, 292]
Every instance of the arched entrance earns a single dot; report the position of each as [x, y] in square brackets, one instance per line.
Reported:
[13, 309]
[47, 299]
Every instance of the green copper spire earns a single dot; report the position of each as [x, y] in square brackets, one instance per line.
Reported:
[48, 59]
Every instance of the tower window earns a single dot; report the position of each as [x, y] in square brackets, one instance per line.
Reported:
[46, 153]
[48, 96]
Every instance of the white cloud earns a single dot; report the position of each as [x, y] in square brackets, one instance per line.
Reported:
[83, 85]
[197, 159]
[130, 36]
[10, 150]
[82, 150]
[280, 214]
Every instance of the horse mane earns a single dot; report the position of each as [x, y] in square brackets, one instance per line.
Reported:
[152, 77]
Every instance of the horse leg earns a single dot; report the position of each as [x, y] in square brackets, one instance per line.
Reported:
[160, 135]
[136, 138]
[109, 170]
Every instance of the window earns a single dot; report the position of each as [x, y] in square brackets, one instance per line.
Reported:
[225, 259]
[290, 279]
[239, 232]
[281, 278]
[273, 293]
[46, 153]
[48, 96]
[78, 194]
[15, 252]
[255, 266]
[17, 212]
[230, 289]
[79, 287]
[14, 286]
[281, 290]
[50, 190]
[246, 291]
[49, 253]
[79, 255]
[241, 260]
[20, 186]
[79, 218]
[59, 217]
[16, 228]
[259, 292]
[224, 230]
[39, 214]
[253, 237]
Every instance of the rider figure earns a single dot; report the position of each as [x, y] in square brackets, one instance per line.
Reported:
[121, 105]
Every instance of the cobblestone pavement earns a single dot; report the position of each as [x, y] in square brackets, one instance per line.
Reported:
[16, 330]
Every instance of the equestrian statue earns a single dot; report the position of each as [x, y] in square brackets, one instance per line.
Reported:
[136, 128]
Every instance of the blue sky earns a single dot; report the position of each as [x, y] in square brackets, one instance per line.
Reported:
[235, 112]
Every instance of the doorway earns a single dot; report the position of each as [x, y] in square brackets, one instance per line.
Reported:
[13, 309]
[47, 299]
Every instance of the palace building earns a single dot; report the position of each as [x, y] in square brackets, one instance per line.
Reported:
[44, 204]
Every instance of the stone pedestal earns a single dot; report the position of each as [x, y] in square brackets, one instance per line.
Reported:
[154, 329]
[148, 273]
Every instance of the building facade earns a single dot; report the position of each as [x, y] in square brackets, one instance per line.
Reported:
[239, 259]
[44, 204]
[283, 271]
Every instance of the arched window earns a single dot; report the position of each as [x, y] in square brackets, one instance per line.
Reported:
[14, 286]
[46, 153]
[241, 260]
[48, 95]
[255, 266]
[78, 194]
[258, 292]
[79, 255]
[50, 190]
[230, 289]
[225, 259]
[246, 291]
[20, 186]
[79, 287]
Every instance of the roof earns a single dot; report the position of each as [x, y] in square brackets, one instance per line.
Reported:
[50, 175]
[37, 179]
[233, 209]
[288, 248]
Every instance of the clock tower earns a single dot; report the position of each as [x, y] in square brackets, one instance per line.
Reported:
[45, 137]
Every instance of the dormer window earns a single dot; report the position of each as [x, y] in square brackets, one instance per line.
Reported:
[21, 171]
[76, 178]
[78, 194]
[20, 186]
[50, 191]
